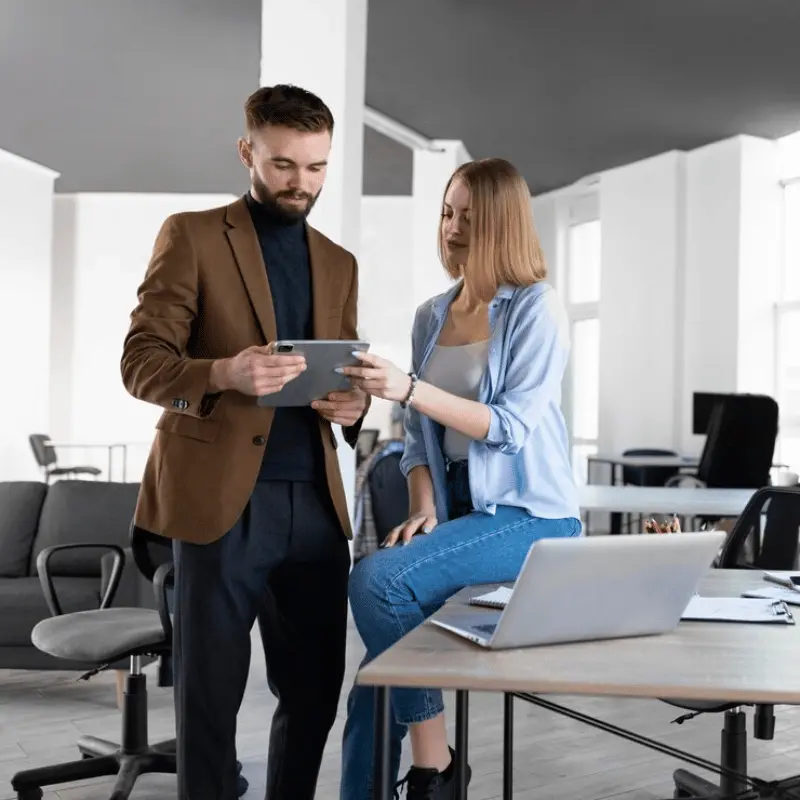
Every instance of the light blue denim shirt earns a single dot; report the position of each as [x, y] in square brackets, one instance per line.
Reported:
[524, 459]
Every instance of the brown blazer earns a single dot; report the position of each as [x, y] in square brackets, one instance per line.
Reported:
[206, 296]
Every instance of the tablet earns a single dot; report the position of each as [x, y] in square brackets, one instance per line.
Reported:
[320, 377]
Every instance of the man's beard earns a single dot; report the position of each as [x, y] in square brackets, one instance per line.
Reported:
[272, 204]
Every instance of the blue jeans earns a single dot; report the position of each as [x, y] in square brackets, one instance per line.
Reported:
[394, 590]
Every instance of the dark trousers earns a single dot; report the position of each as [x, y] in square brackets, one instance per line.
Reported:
[286, 564]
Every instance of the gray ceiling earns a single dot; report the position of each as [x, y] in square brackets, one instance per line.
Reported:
[129, 95]
[566, 88]
[146, 95]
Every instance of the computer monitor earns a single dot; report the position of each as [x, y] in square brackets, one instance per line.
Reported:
[703, 404]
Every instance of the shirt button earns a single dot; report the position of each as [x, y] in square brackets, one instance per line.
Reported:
[259, 440]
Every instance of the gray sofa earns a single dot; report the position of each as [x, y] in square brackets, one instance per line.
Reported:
[34, 516]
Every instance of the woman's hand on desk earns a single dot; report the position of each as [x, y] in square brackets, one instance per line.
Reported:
[424, 522]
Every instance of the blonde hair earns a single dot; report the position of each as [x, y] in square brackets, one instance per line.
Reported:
[503, 245]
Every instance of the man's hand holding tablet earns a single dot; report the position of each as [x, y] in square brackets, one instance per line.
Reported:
[256, 371]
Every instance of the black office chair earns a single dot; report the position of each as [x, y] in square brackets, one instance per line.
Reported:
[647, 475]
[748, 546]
[45, 455]
[104, 637]
[365, 444]
[389, 494]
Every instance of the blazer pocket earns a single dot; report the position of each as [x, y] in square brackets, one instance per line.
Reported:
[204, 430]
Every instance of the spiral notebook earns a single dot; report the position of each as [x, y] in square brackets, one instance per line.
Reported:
[497, 599]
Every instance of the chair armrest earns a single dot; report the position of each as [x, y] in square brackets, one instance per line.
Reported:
[685, 480]
[46, 577]
[133, 591]
[163, 581]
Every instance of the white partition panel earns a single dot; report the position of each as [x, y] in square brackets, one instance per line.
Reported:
[102, 245]
[26, 223]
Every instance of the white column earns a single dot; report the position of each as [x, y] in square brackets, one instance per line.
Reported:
[641, 213]
[321, 45]
[26, 197]
[432, 171]
[733, 202]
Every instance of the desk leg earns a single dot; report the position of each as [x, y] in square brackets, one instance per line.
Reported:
[381, 788]
[462, 743]
[508, 746]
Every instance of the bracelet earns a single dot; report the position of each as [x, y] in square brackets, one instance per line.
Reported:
[411, 390]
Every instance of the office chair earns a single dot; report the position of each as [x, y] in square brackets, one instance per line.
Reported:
[45, 455]
[747, 547]
[740, 444]
[365, 444]
[389, 493]
[104, 637]
[647, 476]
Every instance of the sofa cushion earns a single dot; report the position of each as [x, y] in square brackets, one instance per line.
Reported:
[20, 506]
[84, 512]
[22, 604]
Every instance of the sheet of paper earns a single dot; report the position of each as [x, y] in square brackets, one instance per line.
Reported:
[737, 609]
[496, 599]
[783, 579]
[790, 596]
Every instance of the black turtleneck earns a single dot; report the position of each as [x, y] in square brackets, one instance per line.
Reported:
[293, 451]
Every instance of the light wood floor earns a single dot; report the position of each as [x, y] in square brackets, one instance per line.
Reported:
[43, 714]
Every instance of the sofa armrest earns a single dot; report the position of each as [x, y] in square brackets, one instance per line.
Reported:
[46, 576]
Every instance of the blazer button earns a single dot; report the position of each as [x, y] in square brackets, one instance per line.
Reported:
[259, 440]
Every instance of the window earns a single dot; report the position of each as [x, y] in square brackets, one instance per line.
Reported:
[583, 257]
[788, 333]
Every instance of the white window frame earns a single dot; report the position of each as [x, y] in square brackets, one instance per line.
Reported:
[789, 422]
[575, 208]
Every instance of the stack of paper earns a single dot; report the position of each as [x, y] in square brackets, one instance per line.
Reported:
[737, 609]
[497, 599]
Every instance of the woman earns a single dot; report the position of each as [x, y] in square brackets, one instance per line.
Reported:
[486, 453]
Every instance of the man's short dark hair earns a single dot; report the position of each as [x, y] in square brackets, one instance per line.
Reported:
[287, 105]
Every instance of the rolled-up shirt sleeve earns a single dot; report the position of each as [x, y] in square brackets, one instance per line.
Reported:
[414, 454]
[538, 354]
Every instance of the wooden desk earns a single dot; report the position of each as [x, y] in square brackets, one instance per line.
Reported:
[683, 501]
[743, 663]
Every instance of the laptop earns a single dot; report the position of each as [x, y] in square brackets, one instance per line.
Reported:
[582, 589]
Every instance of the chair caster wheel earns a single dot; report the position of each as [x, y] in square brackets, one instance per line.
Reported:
[682, 794]
[30, 794]
[242, 785]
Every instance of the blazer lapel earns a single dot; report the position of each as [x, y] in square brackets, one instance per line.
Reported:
[247, 252]
[321, 285]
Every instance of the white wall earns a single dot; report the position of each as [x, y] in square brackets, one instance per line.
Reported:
[711, 298]
[26, 224]
[733, 201]
[102, 245]
[690, 265]
[640, 213]
[386, 298]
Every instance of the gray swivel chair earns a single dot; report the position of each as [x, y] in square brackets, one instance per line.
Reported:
[45, 455]
[749, 546]
[103, 637]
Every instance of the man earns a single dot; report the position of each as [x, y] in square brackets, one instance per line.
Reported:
[252, 497]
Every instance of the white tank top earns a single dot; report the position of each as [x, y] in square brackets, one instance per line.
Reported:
[457, 370]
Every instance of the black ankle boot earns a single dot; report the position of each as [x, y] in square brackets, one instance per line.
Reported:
[430, 784]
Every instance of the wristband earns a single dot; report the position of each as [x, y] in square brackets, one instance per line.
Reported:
[410, 396]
